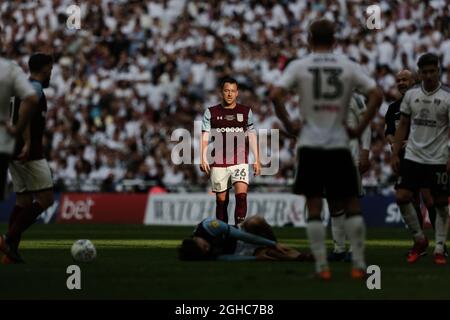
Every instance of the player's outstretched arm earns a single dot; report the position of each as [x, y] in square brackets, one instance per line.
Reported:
[251, 238]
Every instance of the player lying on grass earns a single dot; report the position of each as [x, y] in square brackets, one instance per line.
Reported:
[253, 239]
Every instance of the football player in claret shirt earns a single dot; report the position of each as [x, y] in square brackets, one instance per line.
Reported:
[230, 126]
[30, 172]
[13, 82]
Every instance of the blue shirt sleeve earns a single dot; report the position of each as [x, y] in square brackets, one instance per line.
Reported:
[38, 88]
[218, 228]
[251, 122]
[206, 122]
[250, 238]
[215, 227]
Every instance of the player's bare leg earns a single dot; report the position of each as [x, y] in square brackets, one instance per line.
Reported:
[222, 199]
[240, 212]
[316, 235]
[404, 198]
[12, 238]
[26, 212]
[355, 230]
[23, 203]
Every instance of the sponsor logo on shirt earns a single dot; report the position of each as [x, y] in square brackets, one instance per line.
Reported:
[229, 117]
[324, 59]
[423, 119]
[232, 129]
[425, 122]
[424, 113]
[214, 224]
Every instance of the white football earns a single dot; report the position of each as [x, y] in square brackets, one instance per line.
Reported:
[83, 251]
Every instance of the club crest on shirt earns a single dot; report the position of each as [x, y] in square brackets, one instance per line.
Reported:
[240, 117]
[437, 101]
[214, 224]
[424, 113]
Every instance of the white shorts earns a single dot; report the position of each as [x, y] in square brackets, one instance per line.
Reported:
[31, 176]
[222, 178]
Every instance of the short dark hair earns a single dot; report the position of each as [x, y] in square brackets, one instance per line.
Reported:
[38, 61]
[321, 32]
[428, 59]
[228, 80]
[190, 251]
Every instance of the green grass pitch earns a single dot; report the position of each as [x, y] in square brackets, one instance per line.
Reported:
[140, 262]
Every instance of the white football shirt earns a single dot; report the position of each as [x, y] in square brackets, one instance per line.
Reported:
[429, 113]
[13, 83]
[325, 83]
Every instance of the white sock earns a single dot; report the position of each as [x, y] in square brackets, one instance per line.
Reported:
[356, 233]
[338, 233]
[411, 220]
[316, 235]
[441, 228]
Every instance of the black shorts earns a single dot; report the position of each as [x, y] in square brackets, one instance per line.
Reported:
[414, 176]
[4, 160]
[326, 172]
